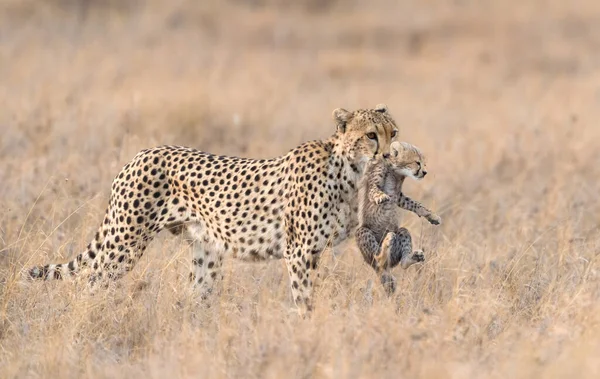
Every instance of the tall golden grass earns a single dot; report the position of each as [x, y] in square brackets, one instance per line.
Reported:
[502, 96]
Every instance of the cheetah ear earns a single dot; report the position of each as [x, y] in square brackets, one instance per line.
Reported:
[381, 108]
[341, 117]
[397, 148]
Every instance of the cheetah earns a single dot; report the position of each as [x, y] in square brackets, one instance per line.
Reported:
[291, 207]
[382, 243]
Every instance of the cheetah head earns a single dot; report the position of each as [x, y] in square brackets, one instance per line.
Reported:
[365, 133]
[407, 160]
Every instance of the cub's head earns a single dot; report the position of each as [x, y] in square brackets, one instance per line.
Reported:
[365, 133]
[407, 160]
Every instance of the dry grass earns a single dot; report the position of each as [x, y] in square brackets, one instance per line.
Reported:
[502, 95]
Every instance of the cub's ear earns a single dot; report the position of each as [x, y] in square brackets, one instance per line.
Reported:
[341, 117]
[381, 108]
[397, 148]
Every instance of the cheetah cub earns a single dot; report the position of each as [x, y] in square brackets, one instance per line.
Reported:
[381, 241]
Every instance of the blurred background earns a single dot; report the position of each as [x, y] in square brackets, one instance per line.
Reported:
[503, 96]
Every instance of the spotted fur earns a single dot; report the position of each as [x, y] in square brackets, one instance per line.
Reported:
[289, 207]
[381, 241]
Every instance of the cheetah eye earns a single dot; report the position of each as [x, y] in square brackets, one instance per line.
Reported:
[394, 132]
[372, 135]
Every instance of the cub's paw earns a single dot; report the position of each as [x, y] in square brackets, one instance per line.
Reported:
[418, 256]
[434, 219]
[381, 198]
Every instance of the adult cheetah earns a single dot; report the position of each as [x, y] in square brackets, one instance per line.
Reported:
[289, 207]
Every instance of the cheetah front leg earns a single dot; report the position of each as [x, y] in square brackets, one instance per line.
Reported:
[300, 263]
[409, 204]
[376, 181]
[377, 196]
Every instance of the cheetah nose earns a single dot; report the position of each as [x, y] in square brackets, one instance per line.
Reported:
[386, 156]
[424, 172]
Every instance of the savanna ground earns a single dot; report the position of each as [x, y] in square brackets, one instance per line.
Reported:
[502, 95]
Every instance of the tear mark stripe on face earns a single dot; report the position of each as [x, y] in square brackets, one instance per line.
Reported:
[379, 130]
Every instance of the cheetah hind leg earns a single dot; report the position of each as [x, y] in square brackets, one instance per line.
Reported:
[206, 275]
[379, 257]
[390, 249]
[398, 247]
[369, 247]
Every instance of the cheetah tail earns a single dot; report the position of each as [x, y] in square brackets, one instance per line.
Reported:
[56, 271]
[59, 270]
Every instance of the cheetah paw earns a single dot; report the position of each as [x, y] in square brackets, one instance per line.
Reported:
[434, 219]
[418, 256]
[382, 198]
